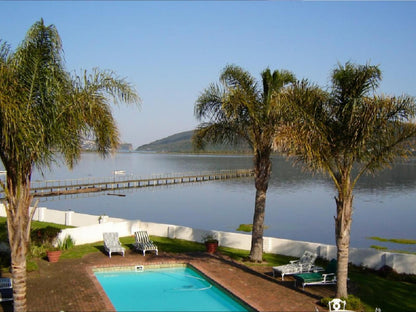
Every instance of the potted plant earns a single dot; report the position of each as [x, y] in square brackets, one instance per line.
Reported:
[54, 252]
[211, 242]
[44, 241]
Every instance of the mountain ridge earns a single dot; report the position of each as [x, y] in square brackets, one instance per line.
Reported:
[181, 142]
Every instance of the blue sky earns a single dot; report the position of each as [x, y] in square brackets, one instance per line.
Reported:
[171, 51]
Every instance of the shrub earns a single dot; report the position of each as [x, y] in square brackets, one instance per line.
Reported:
[353, 303]
[67, 243]
[37, 251]
[44, 236]
[390, 274]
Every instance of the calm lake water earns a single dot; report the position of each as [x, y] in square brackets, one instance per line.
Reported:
[299, 205]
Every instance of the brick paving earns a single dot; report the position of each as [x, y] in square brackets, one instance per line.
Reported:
[69, 285]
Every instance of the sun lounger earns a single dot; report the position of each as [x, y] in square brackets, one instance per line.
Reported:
[326, 277]
[302, 265]
[143, 242]
[6, 289]
[112, 243]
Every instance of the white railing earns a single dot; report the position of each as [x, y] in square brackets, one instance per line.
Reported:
[89, 229]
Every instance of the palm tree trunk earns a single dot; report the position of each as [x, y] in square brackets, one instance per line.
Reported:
[342, 234]
[256, 252]
[262, 171]
[18, 221]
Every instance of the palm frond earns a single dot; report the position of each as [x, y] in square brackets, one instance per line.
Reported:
[209, 104]
[43, 110]
[332, 132]
[240, 108]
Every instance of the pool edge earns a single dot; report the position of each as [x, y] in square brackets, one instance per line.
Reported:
[193, 266]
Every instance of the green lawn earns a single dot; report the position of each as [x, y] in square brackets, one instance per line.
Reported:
[392, 292]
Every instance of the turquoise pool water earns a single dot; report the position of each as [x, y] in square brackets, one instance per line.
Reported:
[165, 289]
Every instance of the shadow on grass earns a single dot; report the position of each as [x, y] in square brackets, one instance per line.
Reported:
[80, 250]
[390, 295]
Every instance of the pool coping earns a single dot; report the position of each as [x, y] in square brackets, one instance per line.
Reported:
[126, 268]
[243, 302]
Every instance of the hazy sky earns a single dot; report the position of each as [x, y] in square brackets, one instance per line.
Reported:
[171, 51]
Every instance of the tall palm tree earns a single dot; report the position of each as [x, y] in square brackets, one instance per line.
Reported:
[240, 109]
[346, 133]
[44, 113]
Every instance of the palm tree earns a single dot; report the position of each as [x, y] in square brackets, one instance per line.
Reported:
[44, 114]
[241, 110]
[346, 133]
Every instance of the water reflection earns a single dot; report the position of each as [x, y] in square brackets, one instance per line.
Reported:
[299, 205]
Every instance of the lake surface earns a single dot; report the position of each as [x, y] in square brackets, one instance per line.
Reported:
[299, 205]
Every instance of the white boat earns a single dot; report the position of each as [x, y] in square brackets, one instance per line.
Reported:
[119, 172]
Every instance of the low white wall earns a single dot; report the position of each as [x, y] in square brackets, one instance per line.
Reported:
[89, 229]
[70, 217]
[94, 233]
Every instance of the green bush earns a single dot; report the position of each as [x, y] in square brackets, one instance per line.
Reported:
[44, 236]
[67, 243]
[353, 303]
[37, 251]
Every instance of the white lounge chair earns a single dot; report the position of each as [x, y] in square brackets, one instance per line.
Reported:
[112, 243]
[302, 265]
[6, 289]
[337, 304]
[144, 243]
[327, 277]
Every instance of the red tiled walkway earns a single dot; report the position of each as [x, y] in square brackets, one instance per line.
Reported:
[70, 285]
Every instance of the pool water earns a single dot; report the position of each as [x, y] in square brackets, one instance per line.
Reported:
[165, 289]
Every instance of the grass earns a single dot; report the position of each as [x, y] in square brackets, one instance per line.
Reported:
[389, 293]
[378, 247]
[385, 289]
[36, 225]
[163, 243]
[247, 228]
[400, 241]
[394, 240]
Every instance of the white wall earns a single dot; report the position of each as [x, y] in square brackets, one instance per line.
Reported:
[94, 233]
[69, 217]
[89, 230]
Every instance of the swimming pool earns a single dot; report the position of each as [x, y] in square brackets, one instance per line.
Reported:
[165, 289]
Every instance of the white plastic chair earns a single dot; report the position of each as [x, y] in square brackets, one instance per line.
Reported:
[144, 243]
[335, 304]
[302, 265]
[112, 243]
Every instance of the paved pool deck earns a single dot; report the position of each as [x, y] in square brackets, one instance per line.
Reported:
[69, 285]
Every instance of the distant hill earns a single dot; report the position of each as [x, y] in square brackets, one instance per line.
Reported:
[91, 145]
[182, 143]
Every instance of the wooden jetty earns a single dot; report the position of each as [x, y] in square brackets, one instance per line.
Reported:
[110, 184]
